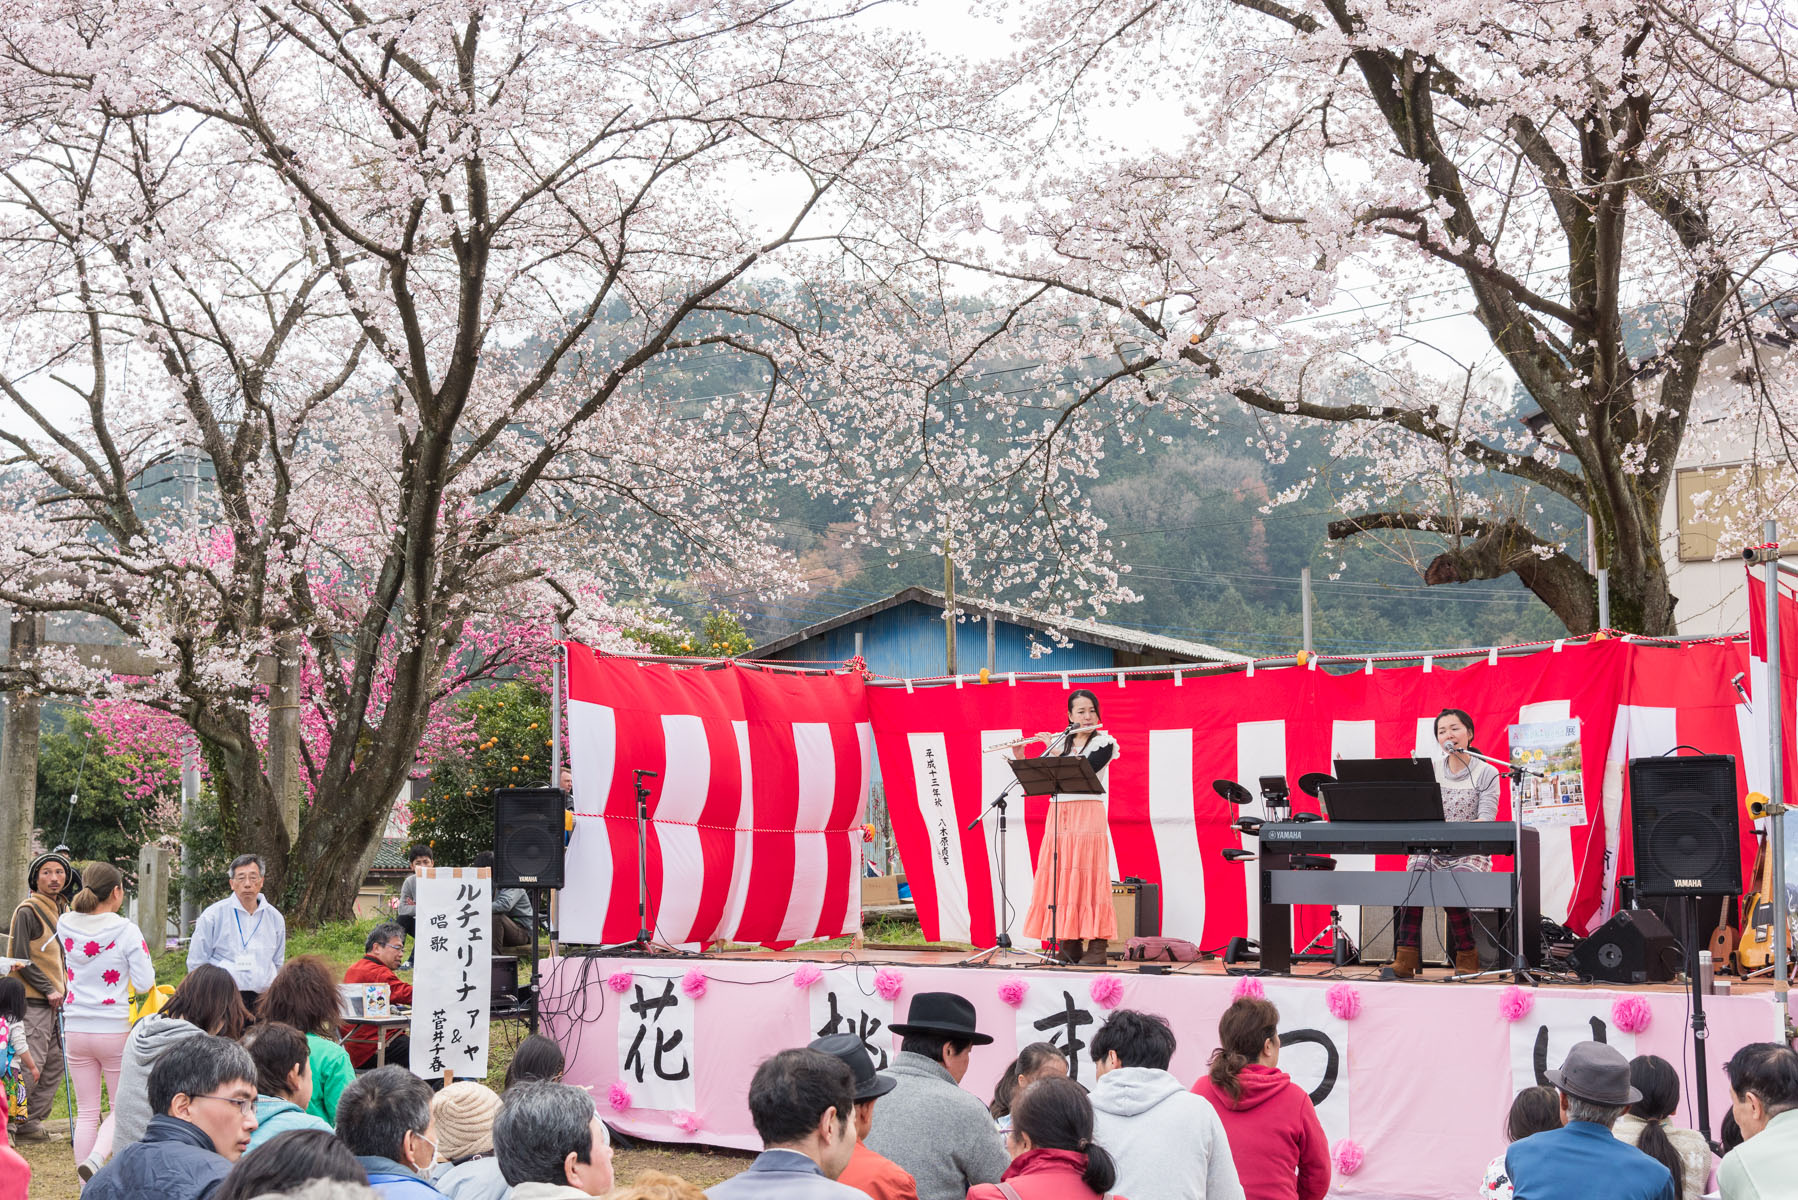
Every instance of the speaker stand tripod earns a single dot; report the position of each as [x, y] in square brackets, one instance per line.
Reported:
[1342, 950]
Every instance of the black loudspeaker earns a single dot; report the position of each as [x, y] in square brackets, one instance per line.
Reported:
[527, 837]
[1684, 818]
[1632, 947]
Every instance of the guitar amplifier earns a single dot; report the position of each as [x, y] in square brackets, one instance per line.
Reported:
[1138, 907]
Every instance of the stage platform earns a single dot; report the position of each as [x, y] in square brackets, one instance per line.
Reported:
[1416, 1074]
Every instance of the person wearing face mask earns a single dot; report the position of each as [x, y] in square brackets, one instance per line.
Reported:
[1469, 793]
[1073, 867]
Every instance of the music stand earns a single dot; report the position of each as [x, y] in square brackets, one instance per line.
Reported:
[1052, 776]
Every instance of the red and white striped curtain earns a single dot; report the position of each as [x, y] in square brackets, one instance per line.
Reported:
[755, 811]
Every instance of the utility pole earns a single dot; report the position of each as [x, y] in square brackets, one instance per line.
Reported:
[948, 605]
[18, 762]
[1305, 605]
[284, 733]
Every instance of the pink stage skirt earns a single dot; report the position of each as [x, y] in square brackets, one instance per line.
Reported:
[1083, 899]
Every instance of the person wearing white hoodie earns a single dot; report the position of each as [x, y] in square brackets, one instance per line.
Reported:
[103, 953]
[1168, 1143]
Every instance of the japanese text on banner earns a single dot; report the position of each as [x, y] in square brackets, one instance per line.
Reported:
[453, 983]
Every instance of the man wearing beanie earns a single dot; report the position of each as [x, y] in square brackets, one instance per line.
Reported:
[44, 975]
[464, 1113]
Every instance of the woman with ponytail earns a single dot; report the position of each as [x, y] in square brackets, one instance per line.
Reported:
[1278, 1144]
[1647, 1128]
[104, 953]
[1053, 1155]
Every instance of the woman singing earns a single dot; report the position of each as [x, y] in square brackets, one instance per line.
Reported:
[1073, 868]
[1469, 793]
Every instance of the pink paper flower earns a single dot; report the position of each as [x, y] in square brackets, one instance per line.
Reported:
[619, 981]
[1347, 1156]
[1107, 991]
[1250, 986]
[111, 977]
[889, 983]
[1514, 1003]
[687, 1121]
[806, 974]
[1012, 991]
[619, 1097]
[1344, 1001]
[1631, 1014]
[694, 983]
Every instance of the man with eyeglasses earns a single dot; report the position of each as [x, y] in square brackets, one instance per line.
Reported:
[243, 933]
[385, 1119]
[385, 948]
[203, 1101]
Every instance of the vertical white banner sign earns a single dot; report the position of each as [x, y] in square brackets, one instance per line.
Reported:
[655, 1044]
[453, 981]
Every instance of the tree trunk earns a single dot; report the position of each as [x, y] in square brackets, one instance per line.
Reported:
[18, 765]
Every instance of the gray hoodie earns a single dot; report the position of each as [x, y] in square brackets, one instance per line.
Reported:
[1167, 1142]
[150, 1039]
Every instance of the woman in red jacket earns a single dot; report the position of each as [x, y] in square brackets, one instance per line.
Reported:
[1280, 1149]
[1053, 1155]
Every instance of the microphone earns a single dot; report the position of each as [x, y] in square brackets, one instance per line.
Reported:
[1741, 691]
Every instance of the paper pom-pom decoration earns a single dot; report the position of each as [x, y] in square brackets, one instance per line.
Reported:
[889, 983]
[619, 981]
[1107, 991]
[1514, 1003]
[1347, 1156]
[1344, 1001]
[1012, 991]
[619, 1097]
[694, 983]
[805, 975]
[1248, 985]
[1631, 1014]
[687, 1121]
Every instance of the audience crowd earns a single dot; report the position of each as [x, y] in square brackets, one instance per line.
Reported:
[239, 1087]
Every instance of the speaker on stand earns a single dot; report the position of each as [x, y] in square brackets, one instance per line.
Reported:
[528, 846]
[1685, 822]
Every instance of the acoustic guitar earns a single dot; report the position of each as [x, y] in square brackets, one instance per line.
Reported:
[1725, 937]
[1754, 950]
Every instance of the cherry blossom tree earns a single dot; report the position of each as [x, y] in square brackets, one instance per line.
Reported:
[1610, 184]
[429, 294]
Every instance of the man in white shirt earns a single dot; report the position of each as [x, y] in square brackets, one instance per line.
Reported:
[243, 933]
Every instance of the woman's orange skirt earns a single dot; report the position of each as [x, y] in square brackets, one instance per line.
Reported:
[1083, 893]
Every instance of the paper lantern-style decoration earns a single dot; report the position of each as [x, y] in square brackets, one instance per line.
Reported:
[687, 1121]
[1012, 991]
[1631, 1014]
[805, 975]
[1348, 1156]
[1250, 986]
[1107, 991]
[1514, 1003]
[619, 1097]
[694, 983]
[1344, 1001]
[619, 981]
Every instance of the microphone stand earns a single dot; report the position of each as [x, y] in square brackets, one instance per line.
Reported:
[1002, 943]
[1520, 968]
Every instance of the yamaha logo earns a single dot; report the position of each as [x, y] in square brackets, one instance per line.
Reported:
[1688, 883]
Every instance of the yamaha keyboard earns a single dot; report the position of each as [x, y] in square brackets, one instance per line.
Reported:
[1391, 837]
[1285, 882]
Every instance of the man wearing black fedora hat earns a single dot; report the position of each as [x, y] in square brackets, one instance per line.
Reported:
[928, 1125]
[1583, 1158]
[875, 1174]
